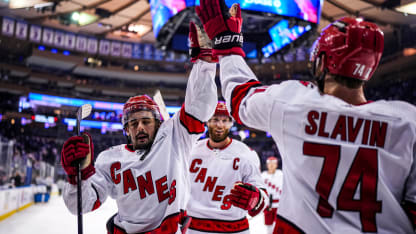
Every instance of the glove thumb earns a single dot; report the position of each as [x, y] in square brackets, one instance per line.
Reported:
[88, 159]
[235, 10]
[193, 35]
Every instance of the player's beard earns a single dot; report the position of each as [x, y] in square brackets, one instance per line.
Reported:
[148, 144]
[218, 138]
[143, 146]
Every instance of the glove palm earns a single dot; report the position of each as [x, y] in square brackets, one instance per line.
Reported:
[200, 44]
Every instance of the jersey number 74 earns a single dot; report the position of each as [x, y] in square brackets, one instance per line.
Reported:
[363, 172]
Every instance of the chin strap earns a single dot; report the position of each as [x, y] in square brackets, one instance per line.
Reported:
[144, 155]
[321, 80]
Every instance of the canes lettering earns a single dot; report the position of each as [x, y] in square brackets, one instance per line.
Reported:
[210, 182]
[143, 183]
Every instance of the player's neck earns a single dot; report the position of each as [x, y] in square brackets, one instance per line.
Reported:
[219, 145]
[351, 96]
[271, 172]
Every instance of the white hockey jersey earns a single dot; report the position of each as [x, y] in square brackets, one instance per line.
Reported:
[213, 173]
[274, 183]
[347, 168]
[150, 191]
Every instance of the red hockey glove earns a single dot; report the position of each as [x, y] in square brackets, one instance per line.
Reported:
[201, 45]
[269, 215]
[78, 149]
[223, 26]
[245, 196]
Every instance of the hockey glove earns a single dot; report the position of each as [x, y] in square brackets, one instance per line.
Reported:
[78, 150]
[269, 215]
[201, 45]
[223, 26]
[245, 196]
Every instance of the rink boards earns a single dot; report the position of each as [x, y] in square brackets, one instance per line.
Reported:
[16, 199]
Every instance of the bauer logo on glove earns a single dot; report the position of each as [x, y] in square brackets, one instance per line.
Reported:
[222, 40]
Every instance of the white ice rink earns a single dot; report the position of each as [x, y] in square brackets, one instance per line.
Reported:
[54, 218]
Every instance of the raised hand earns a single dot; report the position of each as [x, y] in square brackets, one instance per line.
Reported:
[201, 45]
[222, 25]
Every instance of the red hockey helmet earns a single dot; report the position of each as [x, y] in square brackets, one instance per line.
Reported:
[271, 159]
[352, 48]
[221, 109]
[139, 103]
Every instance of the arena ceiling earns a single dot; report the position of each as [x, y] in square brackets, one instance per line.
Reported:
[111, 18]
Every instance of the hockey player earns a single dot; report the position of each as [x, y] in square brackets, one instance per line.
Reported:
[225, 179]
[273, 179]
[149, 177]
[349, 164]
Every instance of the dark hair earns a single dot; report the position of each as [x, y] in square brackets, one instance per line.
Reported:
[351, 83]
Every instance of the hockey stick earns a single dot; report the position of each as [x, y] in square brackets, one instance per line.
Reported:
[83, 112]
[159, 101]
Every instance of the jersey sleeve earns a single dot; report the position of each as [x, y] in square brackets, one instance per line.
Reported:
[200, 101]
[252, 175]
[94, 192]
[244, 94]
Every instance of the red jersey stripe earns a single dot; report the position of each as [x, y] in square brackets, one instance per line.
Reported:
[212, 225]
[192, 124]
[237, 96]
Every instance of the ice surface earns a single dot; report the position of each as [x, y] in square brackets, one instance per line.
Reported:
[54, 218]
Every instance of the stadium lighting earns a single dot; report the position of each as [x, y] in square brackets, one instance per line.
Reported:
[140, 29]
[43, 5]
[15, 4]
[409, 52]
[75, 16]
[409, 8]
[82, 18]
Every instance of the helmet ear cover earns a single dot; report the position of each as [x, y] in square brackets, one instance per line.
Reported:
[319, 71]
